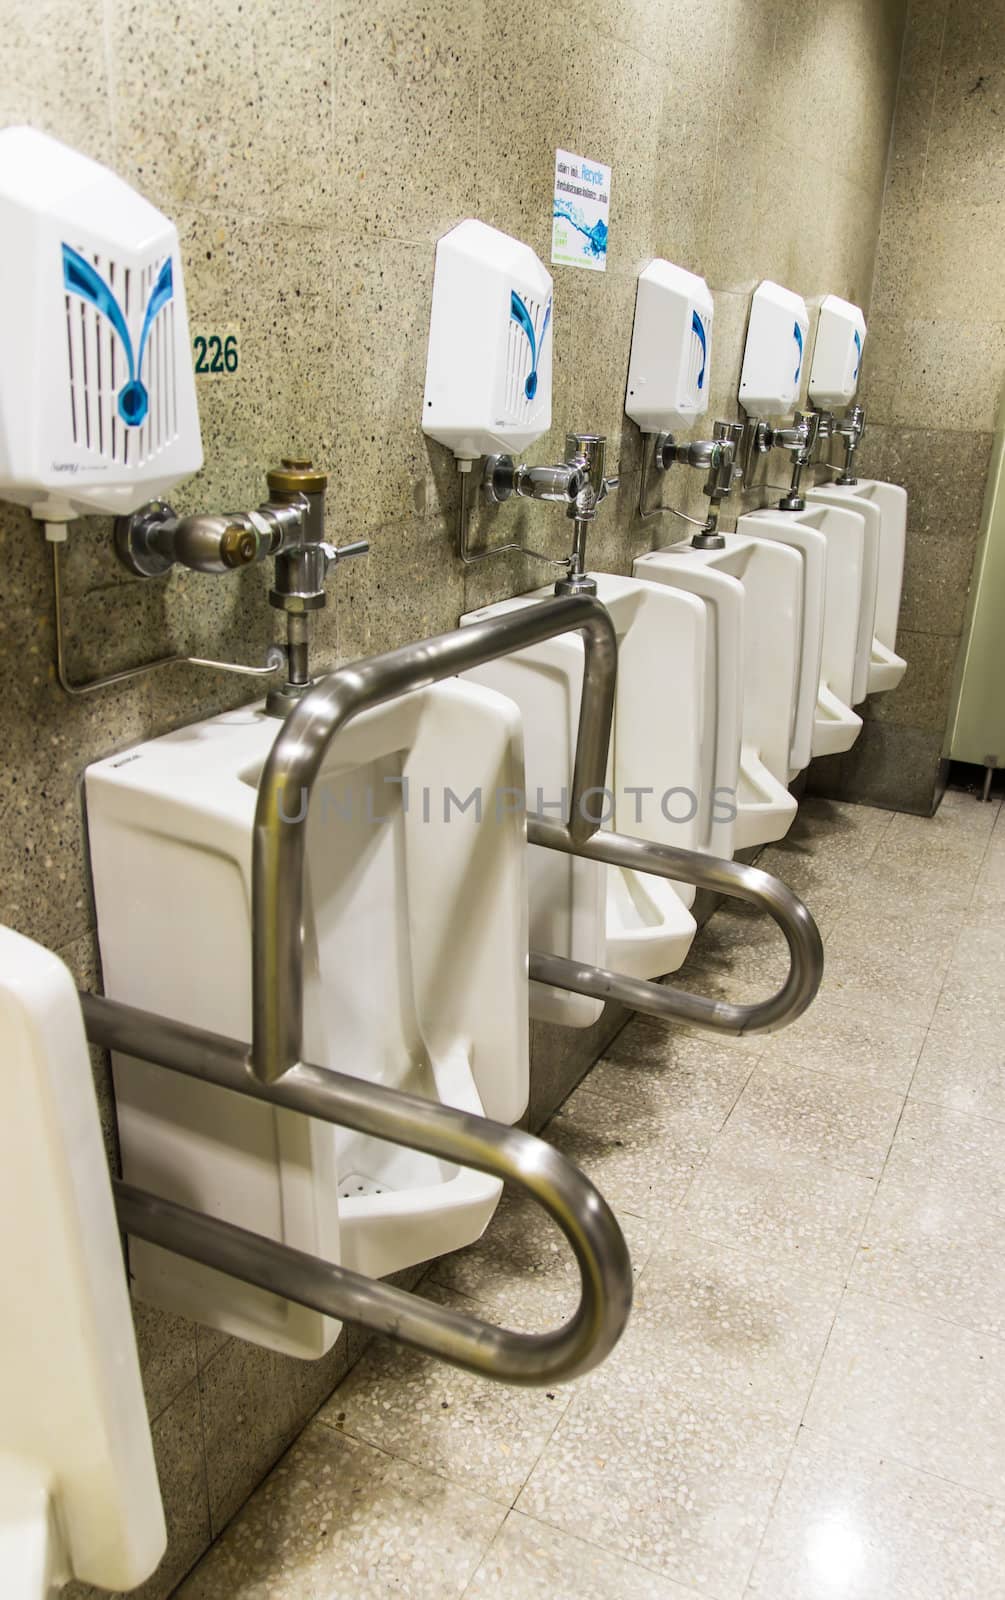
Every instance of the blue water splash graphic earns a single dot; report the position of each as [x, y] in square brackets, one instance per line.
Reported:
[798, 335]
[698, 328]
[596, 236]
[858, 350]
[519, 314]
[80, 278]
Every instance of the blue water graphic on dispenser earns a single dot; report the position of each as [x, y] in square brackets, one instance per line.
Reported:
[520, 315]
[798, 335]
[858, 352]
[698, 328]
[80, 278]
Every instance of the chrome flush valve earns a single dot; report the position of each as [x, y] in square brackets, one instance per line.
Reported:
[585, 454]
[289, 526]
[800, 441]
[716, 456]
[850, 429]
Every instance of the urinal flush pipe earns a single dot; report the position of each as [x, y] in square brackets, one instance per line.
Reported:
[850, 430]
[578, 483]
[288, 527]
[587, 453]
[718, 456]
[800, 441]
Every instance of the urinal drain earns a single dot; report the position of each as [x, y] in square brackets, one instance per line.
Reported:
[355, 1184]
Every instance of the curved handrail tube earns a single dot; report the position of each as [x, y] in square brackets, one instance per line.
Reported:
[569, 1198]
[280, 831]
[731, 878]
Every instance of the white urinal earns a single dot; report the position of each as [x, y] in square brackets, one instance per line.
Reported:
[885, 506]
[672, 773]
[415, 977]
[755, 591]
[832, 541]
[78, 1485]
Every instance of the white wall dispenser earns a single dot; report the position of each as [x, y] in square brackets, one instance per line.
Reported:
[670, 366]
[837, 353]
[97, 403]
[773, 355]
[489, 361]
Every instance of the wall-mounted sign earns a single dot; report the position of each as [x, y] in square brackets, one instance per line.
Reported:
[579, 212]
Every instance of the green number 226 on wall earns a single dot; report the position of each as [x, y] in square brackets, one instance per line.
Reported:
[216, 354]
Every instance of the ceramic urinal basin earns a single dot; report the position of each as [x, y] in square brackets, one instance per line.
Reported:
[832, 543]
[672, 776]
[415, 952]
[754, 590]
[78, 1485]
[884, 505]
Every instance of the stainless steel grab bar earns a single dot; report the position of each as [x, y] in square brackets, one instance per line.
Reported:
[296, 757]
[732, 878]
[272, 1069]
[581, 1213]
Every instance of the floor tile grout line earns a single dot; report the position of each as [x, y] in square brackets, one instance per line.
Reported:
[896, 1304]
[617, 1555]
[853, 1441]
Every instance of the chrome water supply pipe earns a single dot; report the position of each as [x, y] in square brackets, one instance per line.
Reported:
[717, 456]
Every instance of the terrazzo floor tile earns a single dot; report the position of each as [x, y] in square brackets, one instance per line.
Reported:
[962, 1063]
[691, 1076]
[680, 1484]
[782, 1207]
[853, 1524]
[934, 1235]
[923, 1391]
[898, 888]
[640, 1163]
[868, 1046]
[529, 1561]
[339, 1520]
[714, 1321]
[484, 1436]
[801, 1111]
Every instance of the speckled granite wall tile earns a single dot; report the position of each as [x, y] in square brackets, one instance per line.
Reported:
[517, 154]
[278, 284]
[55, 73]
[943, 471]
[641, 23]
[621, 97]
[382, 456]
[251, 1412]
[965, 161]
[951, 370]
[405, 81]
[944, 260]
[937, 573]
[594, 324]
[175, 71]
[166, 1345]
[921, 700]
[891, 766]
[404, 600]
[919, 81]
[739, 218]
